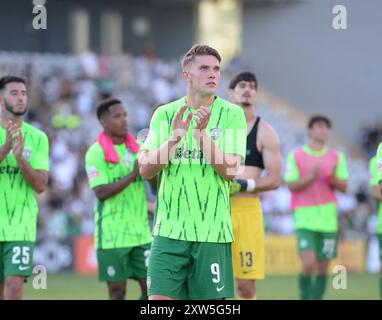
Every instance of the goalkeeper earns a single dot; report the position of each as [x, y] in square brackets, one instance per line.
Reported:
[263, 152]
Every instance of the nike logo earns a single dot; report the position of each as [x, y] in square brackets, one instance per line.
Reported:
[245, 272]
[21, 268]
[219, 289]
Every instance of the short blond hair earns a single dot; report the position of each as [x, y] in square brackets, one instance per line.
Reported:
[199, 50]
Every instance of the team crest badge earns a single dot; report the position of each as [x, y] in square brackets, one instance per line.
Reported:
[215, 133]
[92, 172]
[111, 271]
[27, 153]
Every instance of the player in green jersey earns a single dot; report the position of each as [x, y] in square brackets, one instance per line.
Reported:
[122, 235]
[24, 159]
[314, 172]
[196, 143]
[376, 182]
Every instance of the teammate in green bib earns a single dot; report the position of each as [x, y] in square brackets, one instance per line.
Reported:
[196, 143]
[375, 168]
[24, 159]
[122, 235]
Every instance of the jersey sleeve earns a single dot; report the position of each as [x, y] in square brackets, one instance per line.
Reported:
[373, 171]
[96, 168]
[291, 172]
[379, 163]
[342, 170]
[234, 137]
[158, 133]
[40, 160]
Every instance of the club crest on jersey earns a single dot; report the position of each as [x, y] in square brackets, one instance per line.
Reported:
[215, 133]
[27, 153]
[92, 172]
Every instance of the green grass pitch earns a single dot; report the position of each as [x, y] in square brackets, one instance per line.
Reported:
[70, 286]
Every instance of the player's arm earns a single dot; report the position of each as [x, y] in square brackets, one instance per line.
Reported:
[153, 183]
[153, 160]
[7, 146]
[338, 184]
[338, 178]
[4, 150]
[150, 206]
[226, 164]
[375, 187]
[106, 191]
[37, 179]
[377, 191]
[272, 163]
[292, 178]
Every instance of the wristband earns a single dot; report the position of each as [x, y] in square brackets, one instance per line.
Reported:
[247, 185]
[251, 185]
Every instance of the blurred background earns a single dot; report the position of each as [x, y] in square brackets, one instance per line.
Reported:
[91, 50]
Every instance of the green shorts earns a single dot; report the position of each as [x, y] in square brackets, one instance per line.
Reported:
[190, 270]
[16, 259]
[380, 245]
[123, 263]
[323, 244]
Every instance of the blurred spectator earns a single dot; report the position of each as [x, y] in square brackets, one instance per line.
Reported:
[371, 136]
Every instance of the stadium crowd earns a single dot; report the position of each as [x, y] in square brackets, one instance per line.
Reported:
[63, 93]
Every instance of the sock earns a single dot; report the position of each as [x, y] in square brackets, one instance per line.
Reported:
[143, 297]
[305, 284]
[318, 287]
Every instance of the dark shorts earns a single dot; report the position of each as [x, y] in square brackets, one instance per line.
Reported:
[123, 263]
[16, 259]
[323, 244]
[190, 270]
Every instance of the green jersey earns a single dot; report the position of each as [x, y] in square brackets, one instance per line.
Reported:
[122, 220]
[379, 163]
[193, 199]
[373, 169]
[322, 217]
[18, 205]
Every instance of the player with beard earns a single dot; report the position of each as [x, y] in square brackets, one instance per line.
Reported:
[24, 157]
[263, 153]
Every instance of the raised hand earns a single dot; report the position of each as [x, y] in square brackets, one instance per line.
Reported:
[7, 146]
[18, 143]
[315, 170]
[202, 117]
[136, 169]
[180, 127]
